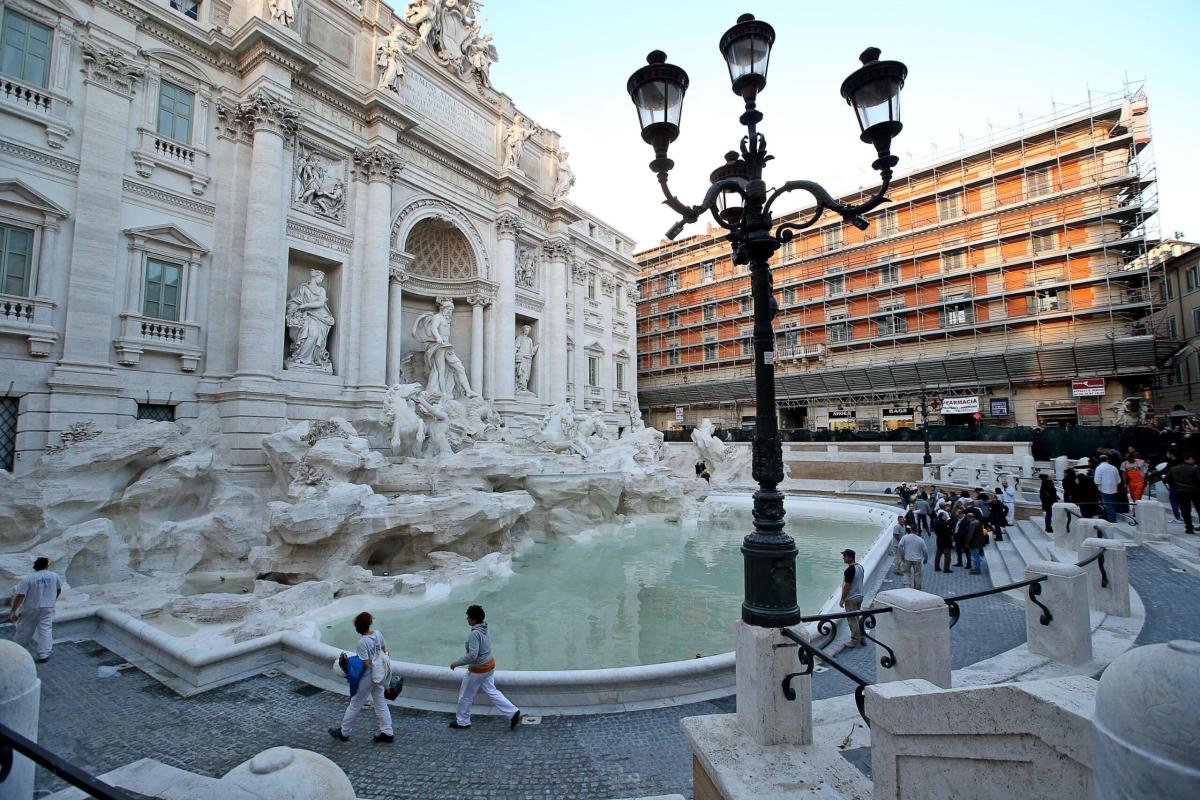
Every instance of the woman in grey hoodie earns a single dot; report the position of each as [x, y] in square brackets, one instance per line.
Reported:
[481, 674]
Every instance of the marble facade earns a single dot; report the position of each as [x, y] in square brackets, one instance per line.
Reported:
[245, 148]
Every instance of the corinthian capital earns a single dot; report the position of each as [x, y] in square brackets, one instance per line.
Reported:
[110, 67]
[508, 225]
[558, 249]
[263, 111]
[377, 164]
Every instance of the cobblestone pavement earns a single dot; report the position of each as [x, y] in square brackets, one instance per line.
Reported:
[1170, 594]
[102, 724]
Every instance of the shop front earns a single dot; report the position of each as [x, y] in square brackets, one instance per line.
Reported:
[843, 420]
[895, 418]
[960, 410]
[1058, 413]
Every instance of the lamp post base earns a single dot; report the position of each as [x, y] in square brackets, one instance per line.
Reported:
[763, 711]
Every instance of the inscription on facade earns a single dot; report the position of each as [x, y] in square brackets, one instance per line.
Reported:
[329, 113]
[432, 102]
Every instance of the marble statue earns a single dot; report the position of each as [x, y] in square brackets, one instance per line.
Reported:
[428, 19]
[282, 11]
[389, 57]
[437, 423]
[514, 141]
[317, 189]
[463, 9]
[560, 433]
[526, 272]
[478, 55]
[712, 449]
[407, 426]
[566, 177]
[599, 428]
[1129, 412]
[525, 349]
[309, 321]
[446, 370]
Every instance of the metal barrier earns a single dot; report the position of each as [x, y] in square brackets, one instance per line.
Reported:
[807, 655]
[12, 742]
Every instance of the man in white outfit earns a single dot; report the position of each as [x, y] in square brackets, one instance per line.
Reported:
[372, 652]
[33, 608]
[481, 674]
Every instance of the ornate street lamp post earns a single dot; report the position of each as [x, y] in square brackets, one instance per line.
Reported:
[740, 202]
[925, 427]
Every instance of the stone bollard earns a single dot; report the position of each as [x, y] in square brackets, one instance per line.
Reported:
[1085, 528]
[1068, 636]
[1061, 521]
[1145, 723]
[1114, 598]
[1151, 521]
[20, 701]
[763, 712]
[291, 773]
[1060, 467]
[918, 631]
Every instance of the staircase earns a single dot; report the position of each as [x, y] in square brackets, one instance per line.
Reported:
[1024, 542]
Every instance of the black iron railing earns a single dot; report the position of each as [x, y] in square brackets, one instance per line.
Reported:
[827, 625]
[808, 653]
[12, 742]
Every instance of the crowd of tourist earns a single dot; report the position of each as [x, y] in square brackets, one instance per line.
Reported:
[1110, 483]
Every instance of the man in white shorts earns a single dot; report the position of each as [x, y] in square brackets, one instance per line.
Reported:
[33, 608]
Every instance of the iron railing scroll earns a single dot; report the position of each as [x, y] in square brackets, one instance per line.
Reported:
[12, 742]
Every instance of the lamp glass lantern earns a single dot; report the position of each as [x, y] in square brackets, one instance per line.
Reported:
[873, 91]
[729, 200]
[657, 90]
[746, 48]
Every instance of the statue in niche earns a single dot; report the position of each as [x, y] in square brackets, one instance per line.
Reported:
[309, 321]
[478, 55]
[282, 11]
[712, 449]
[526, 274]
[317, 190]
[514, 141]
[566, 177]
[445, 368]
[407, 426]
[389, 56]
[525, 349]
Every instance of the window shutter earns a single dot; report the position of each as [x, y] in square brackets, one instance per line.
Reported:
[1031, 304]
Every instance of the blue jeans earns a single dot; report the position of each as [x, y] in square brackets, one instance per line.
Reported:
[977, 559]
[1174, 497]
[1110, 506]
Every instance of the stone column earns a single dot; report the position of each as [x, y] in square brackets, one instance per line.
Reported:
[1067, 638]
[1112, 598]
[478, 302]
[379, 167]
[508, 225]
[1151, 521]
[1145, 722]
[763, 712]
[20, 701]
[264, 258]
[579, 301]
[558, 254]
[395, 327]
[918, 632]
[489, 346]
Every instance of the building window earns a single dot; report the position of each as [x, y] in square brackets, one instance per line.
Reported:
[593, 371]
[707, 272]
[949, 206]
[16, 260]
[1049, 300]
[889, 274]
[1195, 321]
[1038, 182]
[835, 285]
[953, 261]
[620, 376]
[791, 338]
[895, 323]
[1166, 290]
[789, 296]
[619, 298]
[673, 358]
[671, 282]
[1193, 278]
[887, 223]
[1045, 241]
[8, 433]
[744, 304]
[190, 8]
[160, 298]
[591, 286]
[838, 332]
[710, 352]
[175, 108]
[1172, 328]
[957, 314]
[747, 346]
[26, 55]
[710, 312]
[672, 319]
[156, 412]
[831, 238]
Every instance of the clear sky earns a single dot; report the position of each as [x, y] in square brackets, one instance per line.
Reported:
[970, 63]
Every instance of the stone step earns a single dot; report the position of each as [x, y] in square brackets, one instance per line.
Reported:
[1033, 532]
[998, 556]
[1025, 546]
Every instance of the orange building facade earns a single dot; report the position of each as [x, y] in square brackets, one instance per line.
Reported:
[992, 282]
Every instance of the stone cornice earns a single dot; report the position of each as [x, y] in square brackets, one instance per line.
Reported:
[377, 164]
[264, 111]
[110, 67]
[508, 225]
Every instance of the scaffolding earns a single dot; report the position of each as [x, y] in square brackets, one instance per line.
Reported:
[1020, 259]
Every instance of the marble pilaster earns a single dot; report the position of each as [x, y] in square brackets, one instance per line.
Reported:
[478, 302]
[579, 303]
[395, 327]
[558, 254]
[379, 167]
[508, 225]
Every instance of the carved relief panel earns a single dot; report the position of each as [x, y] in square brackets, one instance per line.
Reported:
[319, 182]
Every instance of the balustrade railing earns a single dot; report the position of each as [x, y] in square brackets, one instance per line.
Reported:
[12, 742]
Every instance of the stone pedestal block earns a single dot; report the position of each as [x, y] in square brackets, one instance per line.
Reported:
[20, 699]
[1151, 521]
[1086, 528]
[1060, 467]
[1146, 722]
[763, 712]
[1061, 521]
[1113, 598]
[1068, 636]
[918, 631]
